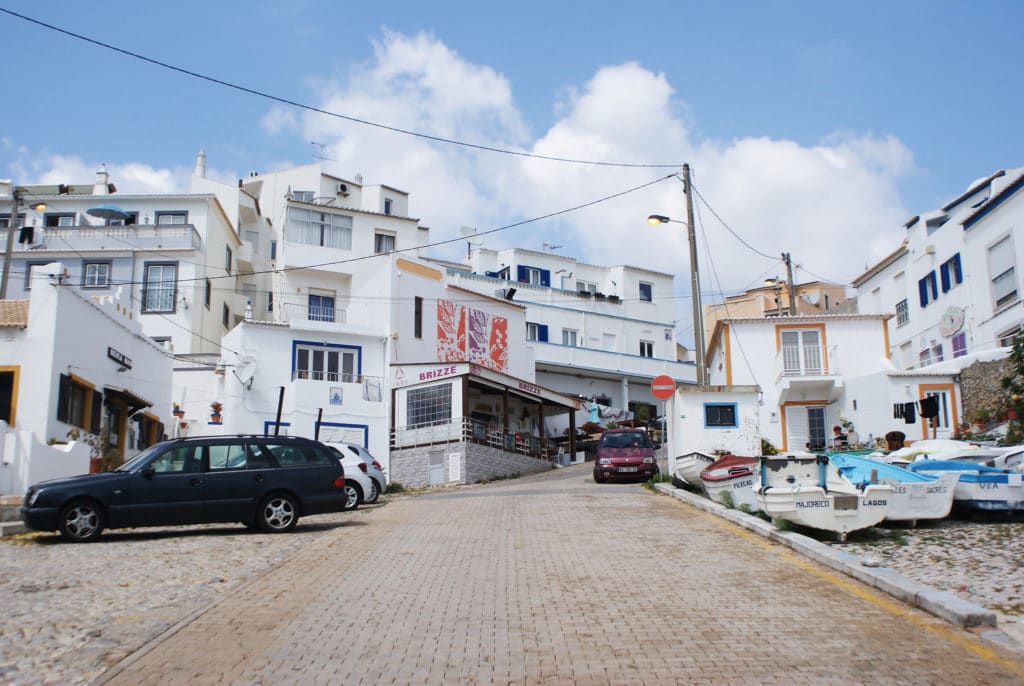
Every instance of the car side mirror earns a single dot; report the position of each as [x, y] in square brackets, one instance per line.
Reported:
[148, 471]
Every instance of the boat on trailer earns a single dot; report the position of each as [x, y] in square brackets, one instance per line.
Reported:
[808, 490]
[914, 495]
[979, 487]
[729, 480]
[690, 465]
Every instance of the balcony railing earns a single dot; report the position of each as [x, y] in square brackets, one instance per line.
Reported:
[806, 360]
[467, 430]
[130, 237]
[313, 313]
[372, 386]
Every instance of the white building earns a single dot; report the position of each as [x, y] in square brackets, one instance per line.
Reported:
[813, 372]
[595, 332]
[952, 284]
[173, 257]
[112, 382]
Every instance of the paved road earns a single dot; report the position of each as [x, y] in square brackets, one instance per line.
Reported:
[554, 579]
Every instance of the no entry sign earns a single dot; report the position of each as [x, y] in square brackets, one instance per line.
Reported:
[663, 387]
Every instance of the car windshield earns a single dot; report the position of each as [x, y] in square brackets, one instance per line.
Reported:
[133, 464]
[626, 439]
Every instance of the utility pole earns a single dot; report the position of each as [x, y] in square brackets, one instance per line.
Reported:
[698, 318]
[789, 280]
[9, 251]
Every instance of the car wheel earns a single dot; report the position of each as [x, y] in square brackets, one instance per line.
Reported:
[81, 521]
[598, 478]
[374, 492]
[353, 495]
[278, 513]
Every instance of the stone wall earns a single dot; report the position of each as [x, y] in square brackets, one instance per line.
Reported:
[981, 388]
[411, 466]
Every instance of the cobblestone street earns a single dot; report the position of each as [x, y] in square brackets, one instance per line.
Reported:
[550, 578]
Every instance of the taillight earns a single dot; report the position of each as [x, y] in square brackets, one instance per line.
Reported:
[376, 465]
[362, 466]
[339, 482]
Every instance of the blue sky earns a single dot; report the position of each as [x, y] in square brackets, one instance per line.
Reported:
[809, 125]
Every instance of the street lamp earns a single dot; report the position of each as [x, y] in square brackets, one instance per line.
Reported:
[698, 320]
[16, 203]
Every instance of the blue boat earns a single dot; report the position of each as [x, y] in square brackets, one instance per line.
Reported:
[979, 487]
[914, 495]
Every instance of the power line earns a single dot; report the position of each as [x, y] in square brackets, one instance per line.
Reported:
[310, 108]
[729, 229]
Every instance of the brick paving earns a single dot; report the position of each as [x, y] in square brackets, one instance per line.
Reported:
[555, 579]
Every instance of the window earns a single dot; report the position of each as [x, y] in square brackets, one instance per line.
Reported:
[430, 405]
[131, 219]
[801, 352]
[96, 275]
[226, 456]
[646, 348]
[930, 355]
[225, 316]
[5, 220]
[417, 321]
[1006, 338]
[383, 243]
[959, 344]
[227, 259]
[325, 229]
[902, 312]
[720, 415]
[159, 287]
[536, 332]
[321, 308]
[207, 291]
[303, 196]
[183, 460]
[950, 273]
[533, 275]
[270, 301]
[1001, 271]
[321, 363]
[928, 289]
[503, 273]
[164, 218]
[586, 286]
[569, 337]
[387, 205]
[906, 356]
[646, 292]
[79, 404]
[273, 250]
[52, 219]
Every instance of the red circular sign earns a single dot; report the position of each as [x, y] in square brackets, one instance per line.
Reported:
[663, 387]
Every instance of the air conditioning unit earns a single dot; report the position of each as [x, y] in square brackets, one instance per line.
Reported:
[343, 189]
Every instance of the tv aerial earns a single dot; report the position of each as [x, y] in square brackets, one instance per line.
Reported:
[472, 238]
[549, 246]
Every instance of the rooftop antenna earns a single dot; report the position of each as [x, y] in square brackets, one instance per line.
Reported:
[323, 155]
[469, 232]
[548, 246]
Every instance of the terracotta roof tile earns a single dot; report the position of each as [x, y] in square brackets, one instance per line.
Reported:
[14, 313]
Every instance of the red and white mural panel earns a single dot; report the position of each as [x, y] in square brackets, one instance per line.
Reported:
[470, 335]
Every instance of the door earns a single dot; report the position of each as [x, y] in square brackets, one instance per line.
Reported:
[816, 434]
[940, 426]
[231, 488]
[172, 493]
[436, 473]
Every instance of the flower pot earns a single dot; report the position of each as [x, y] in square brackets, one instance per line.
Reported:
[178, 413]
[215, 418]
[95, 465]
[183, 425]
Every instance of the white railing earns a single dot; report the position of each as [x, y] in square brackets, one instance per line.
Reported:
[315, 313]
[467, 430]
[806, 360]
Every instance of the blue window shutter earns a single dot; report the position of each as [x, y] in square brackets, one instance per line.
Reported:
[944, 276]
[521, 274]
[542, 333]
[545, 277]
[922, 290]
[958, 275]
[935, 285]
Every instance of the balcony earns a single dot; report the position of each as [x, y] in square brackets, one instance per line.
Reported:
[352, 394]
[616, 363]
[142, 237]
[808, 372]
[311, 314]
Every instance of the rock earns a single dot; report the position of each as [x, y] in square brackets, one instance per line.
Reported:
[869, 561]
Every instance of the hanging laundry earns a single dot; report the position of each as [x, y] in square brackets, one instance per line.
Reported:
[929, 407]
[909, 413]
[897, 411]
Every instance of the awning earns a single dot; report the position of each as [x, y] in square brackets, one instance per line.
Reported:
[133, 401]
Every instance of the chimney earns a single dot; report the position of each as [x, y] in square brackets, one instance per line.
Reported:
[200, 170]
[359, 179]
[102, 181]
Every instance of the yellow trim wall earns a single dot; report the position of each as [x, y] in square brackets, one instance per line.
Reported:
[728, 354]
[922, 391]
[779, 328]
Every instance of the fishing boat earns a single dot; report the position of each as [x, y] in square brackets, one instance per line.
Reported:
[914, 495]
[808, 490]
[732, 475]
[689, 467]
[979, 487]
[1007, 457]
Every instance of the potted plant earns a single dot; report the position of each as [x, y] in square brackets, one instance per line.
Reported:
[215, 409]
[177, 411]
[981, 416]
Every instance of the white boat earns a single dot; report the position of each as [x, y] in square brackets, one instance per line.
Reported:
[809, 490]
[1007, 457]
[689, 467]
[979, 487]
[732, 475]
[914, 495]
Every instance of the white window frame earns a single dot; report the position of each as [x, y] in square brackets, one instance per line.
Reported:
[532, 331]
[570, 337]
[383, 242]
[588, 286]
[649, 293]
[532, 275]
[99, 277]
[319, 228]
[902, 312]
[318, 363]
[646, 348]
[1002, 273]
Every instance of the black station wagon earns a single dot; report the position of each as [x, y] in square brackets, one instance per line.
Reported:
[264, 482]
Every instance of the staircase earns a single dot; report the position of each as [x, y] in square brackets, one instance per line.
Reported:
[10, 520]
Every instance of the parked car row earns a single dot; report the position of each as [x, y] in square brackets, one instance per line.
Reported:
[263, 482]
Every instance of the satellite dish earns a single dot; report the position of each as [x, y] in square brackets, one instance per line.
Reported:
[470, 234]
[812, 297]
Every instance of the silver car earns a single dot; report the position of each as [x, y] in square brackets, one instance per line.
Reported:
[373, 469]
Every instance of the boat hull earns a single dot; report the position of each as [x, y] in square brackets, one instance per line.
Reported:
[689, 467]
[913, 501]
[813, 507]
[980, 488]
[740, 491]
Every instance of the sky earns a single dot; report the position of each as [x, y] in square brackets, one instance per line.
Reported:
[812, 128]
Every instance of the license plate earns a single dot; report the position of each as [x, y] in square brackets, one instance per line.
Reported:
[627, 469]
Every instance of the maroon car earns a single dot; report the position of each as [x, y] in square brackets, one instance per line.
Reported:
[624, 454]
